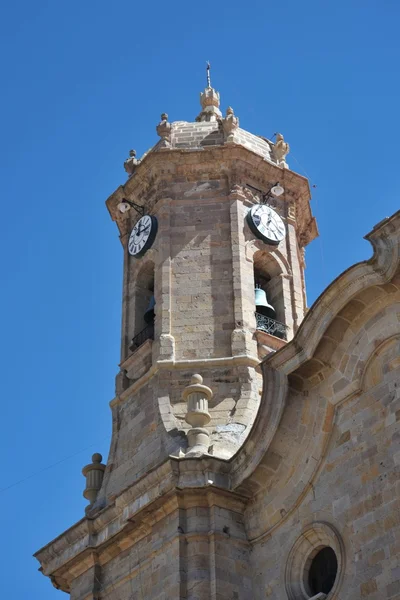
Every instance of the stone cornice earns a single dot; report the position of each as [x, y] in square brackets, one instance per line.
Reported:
[243, 359]
[240, 166]
[174, 484]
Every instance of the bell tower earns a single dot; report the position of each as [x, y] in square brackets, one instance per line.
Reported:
[213, 226]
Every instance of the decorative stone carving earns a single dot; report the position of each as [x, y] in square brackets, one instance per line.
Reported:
[229, 125]
[292, 210]
[94, 473]
[303, 257]
[197, 396]
[281, 150]
[209, 100]
[164, 131]
[131, 163]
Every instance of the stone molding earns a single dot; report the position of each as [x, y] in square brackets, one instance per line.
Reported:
[186, 364]
[291, 494]
[247, 465]
[240, 161]
[174, 485]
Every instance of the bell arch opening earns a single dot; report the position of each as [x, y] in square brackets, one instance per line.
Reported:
[144, 306]
[269, 294]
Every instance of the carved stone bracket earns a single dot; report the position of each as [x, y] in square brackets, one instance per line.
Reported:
[292, 210]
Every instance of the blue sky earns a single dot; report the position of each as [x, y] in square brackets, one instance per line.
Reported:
[83, 82]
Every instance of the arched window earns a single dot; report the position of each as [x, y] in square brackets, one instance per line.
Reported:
[269, 279]
[315, 564]
[144, 306]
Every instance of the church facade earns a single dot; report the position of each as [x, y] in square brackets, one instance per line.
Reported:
[255, 451]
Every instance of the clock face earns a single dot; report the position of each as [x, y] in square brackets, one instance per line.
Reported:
[266, 224]
[142, 236]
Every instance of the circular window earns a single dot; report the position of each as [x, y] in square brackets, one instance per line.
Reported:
[315, 563]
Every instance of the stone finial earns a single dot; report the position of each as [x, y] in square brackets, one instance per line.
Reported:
[229, 125]
[197, 396]
[281, 150]
[94, 473]
[131, 163]
[164, 131]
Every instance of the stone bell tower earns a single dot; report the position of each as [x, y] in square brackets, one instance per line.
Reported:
[208, 215]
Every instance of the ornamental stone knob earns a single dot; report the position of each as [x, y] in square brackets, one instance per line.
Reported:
[229, 125]
[94, 473]
[131, 163]
[164, 131]
[197, 396]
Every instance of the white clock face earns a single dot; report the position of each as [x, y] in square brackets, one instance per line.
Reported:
[142, 236]
[266, 224]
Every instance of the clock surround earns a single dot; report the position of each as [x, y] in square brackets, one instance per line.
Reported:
[142, 236]
[266, 224]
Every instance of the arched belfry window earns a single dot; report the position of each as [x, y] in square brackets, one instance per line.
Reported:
[144, 306]
[269, 294]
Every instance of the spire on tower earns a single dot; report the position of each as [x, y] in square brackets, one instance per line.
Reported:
[208, 74]
[209, 100]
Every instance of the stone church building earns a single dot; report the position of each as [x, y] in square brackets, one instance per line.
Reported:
[255, 451]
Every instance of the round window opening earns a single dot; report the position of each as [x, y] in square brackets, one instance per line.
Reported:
[315, 563]
[322, 571]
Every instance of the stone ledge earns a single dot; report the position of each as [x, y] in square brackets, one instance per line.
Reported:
[270, 342]
[139, 362]
[175, 484]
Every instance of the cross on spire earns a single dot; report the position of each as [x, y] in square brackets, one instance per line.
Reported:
[208, 74]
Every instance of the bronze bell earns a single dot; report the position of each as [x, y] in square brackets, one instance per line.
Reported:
[262, 305]
[149, 314]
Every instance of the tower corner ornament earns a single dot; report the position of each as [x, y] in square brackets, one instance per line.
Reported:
[229, 124]
[131, 163]
[94, 473]
[197, 397]
[164, 131]
[280, 150]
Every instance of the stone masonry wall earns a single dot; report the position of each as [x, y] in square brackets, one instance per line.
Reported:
[201, 268]
[195, 551]
[148, 425]
[356, 492]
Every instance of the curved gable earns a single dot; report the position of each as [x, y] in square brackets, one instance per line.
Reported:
[322, 366]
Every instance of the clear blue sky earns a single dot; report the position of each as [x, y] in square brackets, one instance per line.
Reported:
[83, 82]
